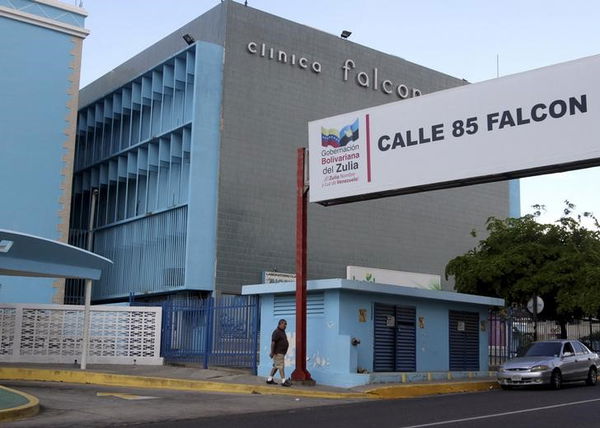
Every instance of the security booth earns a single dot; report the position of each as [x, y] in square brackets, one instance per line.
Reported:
[22, 254]
[362, 332]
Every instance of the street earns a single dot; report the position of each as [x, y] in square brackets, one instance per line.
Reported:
[574, 406]
[74, 405]
[68, 405]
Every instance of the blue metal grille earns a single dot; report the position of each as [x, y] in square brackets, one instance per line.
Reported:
[134, 147]
[395, 339]
[219, 331]
[406, 339]
[385, 339]
[285, 305]
[464, 340]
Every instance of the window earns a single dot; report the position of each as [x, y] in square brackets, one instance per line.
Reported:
[542, 349]
[568, 348]
[580, 348]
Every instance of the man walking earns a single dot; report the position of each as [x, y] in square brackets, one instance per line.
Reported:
[279, 347]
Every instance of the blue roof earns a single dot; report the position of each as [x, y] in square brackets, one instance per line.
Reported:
[27, 255]
[372, 287]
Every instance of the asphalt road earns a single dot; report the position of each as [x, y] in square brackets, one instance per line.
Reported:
[75, 405]
[88, 405]
[573, 407]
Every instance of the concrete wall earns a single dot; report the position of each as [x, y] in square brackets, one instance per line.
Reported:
[328, 352]
[204, 170]
[39, 81]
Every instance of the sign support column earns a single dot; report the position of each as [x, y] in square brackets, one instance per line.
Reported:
[300, 374]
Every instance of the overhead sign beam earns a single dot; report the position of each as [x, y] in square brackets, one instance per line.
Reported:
[541, 121]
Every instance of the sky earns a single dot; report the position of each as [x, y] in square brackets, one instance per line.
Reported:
[471, 39]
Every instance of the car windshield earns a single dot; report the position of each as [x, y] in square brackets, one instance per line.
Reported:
[543, 349]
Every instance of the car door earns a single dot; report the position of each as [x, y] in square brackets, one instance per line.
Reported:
[583, 360]
[568, 361]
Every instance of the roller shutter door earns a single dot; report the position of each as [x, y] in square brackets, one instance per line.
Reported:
[464, 341]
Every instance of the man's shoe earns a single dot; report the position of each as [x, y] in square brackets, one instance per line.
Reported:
[271, 382]
[286, 383]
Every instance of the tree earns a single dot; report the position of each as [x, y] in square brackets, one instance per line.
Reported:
[521, 258]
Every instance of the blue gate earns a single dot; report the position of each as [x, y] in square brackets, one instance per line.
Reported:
[220, 331]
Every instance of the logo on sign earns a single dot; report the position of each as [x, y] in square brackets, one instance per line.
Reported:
[335, 139]
[340, 155]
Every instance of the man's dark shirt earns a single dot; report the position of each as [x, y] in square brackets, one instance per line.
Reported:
[281, 342]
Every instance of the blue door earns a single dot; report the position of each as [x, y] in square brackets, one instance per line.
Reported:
[406, 339]
[384, 355]
[394, 347]
[464, 340]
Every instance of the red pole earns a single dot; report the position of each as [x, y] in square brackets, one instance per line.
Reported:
[300, 373]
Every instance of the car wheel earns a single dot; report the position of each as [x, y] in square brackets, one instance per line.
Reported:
[556, 380]
[592, 377]
[505, 387]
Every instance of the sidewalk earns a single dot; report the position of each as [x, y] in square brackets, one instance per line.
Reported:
[215, 380]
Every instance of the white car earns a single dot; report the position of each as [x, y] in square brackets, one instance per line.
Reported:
[551, 362]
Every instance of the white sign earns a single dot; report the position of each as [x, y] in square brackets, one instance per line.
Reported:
[390, 321]
[394, 277]
[274, 277]
[535, 122]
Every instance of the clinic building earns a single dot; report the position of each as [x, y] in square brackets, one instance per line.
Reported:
[191, 146]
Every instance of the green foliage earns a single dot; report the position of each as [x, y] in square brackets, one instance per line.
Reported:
[520, 258]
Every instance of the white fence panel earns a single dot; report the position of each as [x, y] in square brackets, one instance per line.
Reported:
[31, 333]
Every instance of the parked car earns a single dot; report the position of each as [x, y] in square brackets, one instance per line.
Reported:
[550, 362]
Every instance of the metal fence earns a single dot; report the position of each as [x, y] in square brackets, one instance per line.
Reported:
[220, 331]
[512, 329]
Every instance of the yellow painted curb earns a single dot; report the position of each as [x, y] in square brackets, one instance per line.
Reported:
[86, 377]
[31, 408]
[417, 390]
[110, 379]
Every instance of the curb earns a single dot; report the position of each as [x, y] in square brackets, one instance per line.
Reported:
[418, 390]
[109, 379]
[31, 408]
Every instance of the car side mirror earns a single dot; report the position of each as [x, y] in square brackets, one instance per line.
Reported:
[568, 354]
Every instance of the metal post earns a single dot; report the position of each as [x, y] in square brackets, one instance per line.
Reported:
[300, 373]
[88, 287]
[210, 315]
[535, 332]
[591, 332]
[256, 323]
[86, 324]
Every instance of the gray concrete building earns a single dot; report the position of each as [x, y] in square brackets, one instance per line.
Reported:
[192, 148]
